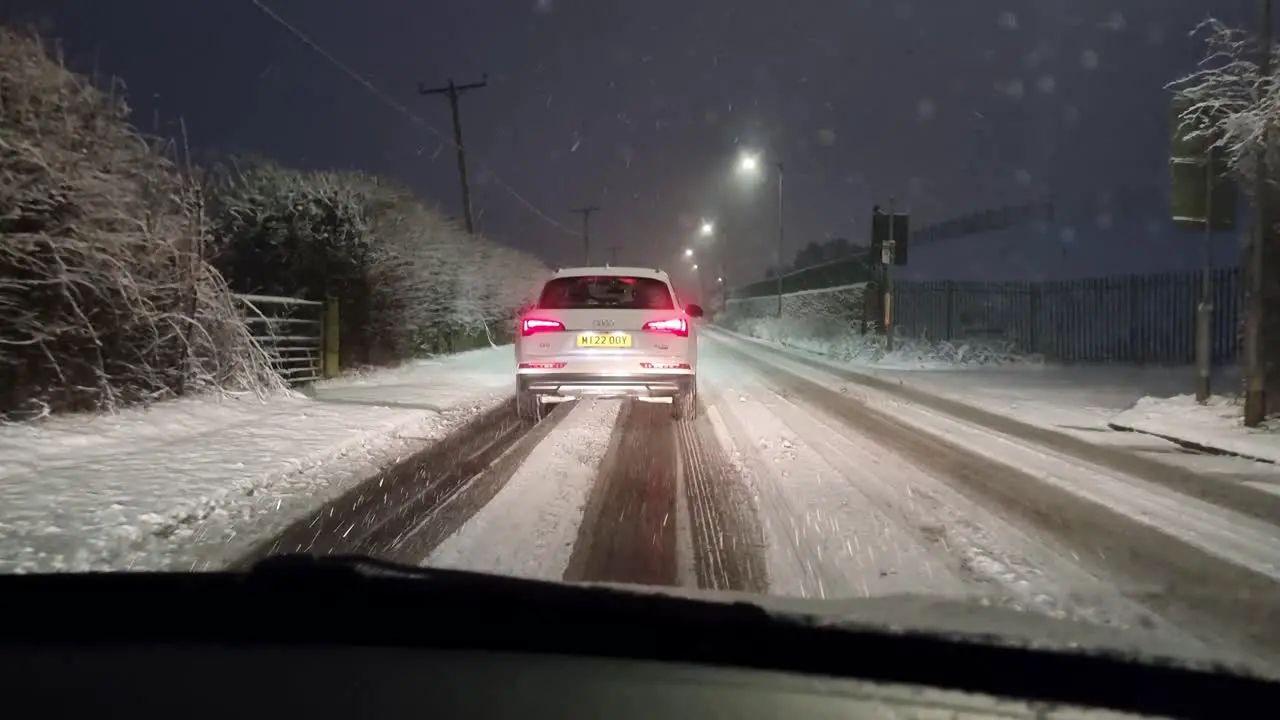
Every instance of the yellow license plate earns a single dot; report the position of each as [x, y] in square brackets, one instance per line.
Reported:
[604, 340]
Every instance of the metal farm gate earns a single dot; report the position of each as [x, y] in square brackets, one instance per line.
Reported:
[291, 331]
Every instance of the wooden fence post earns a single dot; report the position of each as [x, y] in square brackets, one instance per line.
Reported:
[329, 360]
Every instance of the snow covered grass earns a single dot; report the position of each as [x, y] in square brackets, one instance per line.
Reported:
[1083, 401]
[1079, 400]
[1217, 424]
[195, 482]
[432, 383]
[871, 350]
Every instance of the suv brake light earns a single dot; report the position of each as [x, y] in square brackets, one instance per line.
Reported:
[676, 326]
[533, 326]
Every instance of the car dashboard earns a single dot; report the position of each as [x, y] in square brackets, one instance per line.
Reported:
[212, 681]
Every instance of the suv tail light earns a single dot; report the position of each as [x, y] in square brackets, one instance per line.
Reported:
[676, 326]
[533, 326]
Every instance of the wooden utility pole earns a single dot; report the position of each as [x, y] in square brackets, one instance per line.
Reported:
[1204, 309]
[781, 228]
[889, 251]
[454, 92]
[586, 232]
[1255, 396]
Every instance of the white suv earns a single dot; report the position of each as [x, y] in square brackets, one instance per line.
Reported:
[610, 331]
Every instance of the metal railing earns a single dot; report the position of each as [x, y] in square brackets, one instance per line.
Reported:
[291, 331]
[1139, 319]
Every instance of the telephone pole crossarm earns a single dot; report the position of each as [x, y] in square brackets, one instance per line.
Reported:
[454, 92]
[585, 212]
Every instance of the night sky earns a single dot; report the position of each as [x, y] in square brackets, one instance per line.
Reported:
[641, 106]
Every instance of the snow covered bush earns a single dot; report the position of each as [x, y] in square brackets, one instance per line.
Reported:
[830, 323]
[104, 301]
[820, 314]
[407, 280]
[446, 284]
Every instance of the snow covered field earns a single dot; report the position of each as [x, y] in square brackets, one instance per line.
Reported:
[192, 482]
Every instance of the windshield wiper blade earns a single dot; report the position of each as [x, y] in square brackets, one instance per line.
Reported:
[302, 567]
[302, 563]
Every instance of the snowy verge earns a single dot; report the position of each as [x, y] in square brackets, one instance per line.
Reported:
[1078, 400]
[192, 483]
[1216, 426]
[872, 350]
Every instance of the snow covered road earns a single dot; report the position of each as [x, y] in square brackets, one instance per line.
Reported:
[797, 481]
[799, 477]
[941, 504]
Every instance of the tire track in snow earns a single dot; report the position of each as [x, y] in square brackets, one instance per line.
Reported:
[368, 518]
[825, 539]
[727, 540]
[1218, 601]
[529, 528]
[628, 534]
[1005, 563]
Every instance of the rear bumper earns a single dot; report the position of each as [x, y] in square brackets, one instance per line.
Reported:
[655, 384]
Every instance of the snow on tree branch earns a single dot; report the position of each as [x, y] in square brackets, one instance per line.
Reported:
[1227, 100]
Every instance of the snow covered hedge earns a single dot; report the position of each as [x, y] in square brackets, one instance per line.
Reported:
[818, 315]
[103, 299]
[408, 281]
[113, 256]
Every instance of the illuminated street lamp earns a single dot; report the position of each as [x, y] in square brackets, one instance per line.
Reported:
[695, 266]
[688, 252]
[749, 164]
[707, 228]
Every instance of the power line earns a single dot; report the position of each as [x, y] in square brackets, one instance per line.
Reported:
[398, 107]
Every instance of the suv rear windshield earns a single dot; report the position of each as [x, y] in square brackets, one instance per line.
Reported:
[606, 291]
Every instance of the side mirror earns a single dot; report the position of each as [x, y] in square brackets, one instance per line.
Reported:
[693, 310]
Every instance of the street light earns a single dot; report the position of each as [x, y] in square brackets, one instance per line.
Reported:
[707, 228]
[688, 252]
[695, 266]
[749, 164]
